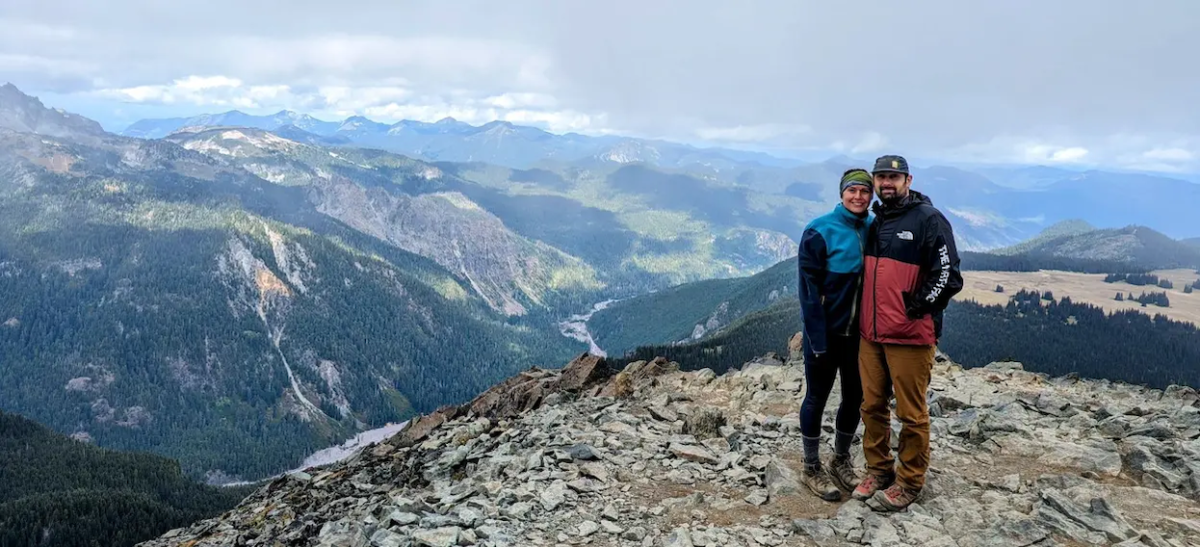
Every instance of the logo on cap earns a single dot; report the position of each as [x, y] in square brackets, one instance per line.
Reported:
[895, 164]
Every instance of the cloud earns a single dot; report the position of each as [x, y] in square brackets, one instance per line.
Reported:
[751, 133]
[1052, 154]
[1169, 155]
[1057, 82]
[381, 103]
[204, 91]
[871, 142]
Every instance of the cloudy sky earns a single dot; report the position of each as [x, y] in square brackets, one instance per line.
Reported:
[1070, 82]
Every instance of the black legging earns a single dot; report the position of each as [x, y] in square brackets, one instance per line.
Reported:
[841, 355]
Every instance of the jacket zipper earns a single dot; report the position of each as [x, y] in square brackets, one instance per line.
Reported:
[875, 291]
[858, 287]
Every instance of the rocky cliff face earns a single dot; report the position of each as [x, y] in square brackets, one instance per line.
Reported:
[508, 271]
[655, 456]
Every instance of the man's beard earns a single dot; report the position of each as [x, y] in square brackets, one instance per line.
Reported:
[890, 198]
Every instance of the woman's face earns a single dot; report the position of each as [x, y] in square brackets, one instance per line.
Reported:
[856, 199]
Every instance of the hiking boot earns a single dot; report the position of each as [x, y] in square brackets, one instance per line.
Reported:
[841, 472]
[872, 484]
[817, 481]
[896, 497]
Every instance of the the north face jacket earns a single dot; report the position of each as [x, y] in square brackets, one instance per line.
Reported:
[831, 266]
[911, 270]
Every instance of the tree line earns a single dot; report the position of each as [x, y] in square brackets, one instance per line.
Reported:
[1032, 262]
[1055, 336]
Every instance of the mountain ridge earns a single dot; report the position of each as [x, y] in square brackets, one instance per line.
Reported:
[399, 137]
[1139, 245]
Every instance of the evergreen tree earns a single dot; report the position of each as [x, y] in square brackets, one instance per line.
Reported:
[1187, 289]
[999, 288]
[1120, 298]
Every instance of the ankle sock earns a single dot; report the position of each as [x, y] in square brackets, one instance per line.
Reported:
[842, 442]
[812, 450]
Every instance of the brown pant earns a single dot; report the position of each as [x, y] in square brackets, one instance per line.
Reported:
[904, 370]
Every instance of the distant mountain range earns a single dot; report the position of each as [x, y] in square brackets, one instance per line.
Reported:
[991, 207]
[497, 142]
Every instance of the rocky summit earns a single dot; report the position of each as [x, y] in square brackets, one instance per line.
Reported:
[655, 456]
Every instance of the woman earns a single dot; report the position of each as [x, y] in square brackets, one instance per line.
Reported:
[831, 268]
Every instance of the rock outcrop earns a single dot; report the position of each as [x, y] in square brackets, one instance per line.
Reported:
[652, 456]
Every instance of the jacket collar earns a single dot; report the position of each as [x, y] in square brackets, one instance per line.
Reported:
[913, 200]
[848, 217]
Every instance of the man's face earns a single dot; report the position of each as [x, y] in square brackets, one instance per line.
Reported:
[856, 199]
[892, 186]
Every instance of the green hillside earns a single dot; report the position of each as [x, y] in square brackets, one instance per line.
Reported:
[58, 492]
[750, 336]
[690, 310]
[1065, 228]
[1137, 245]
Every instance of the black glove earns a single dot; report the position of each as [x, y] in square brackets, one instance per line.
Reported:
[913, 307]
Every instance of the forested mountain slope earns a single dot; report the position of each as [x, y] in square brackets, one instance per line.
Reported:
[59, 492]
[153, 297]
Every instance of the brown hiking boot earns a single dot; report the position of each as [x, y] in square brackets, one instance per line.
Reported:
[872, 484]
[817, 481]
[841, 472]
[896, 497]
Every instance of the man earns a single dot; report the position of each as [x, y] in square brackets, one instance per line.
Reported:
[911, 272]
[831, 265]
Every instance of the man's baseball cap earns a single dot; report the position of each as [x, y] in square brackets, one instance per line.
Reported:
[890, 164]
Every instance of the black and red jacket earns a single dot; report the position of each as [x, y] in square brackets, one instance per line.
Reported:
[911, 269]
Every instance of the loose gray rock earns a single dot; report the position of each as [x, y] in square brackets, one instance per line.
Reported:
[587, 528]
[781, 479]
[607, 465]
[437, 537]
[693, 453]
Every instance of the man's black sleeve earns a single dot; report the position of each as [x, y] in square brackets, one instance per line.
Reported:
[940, 267]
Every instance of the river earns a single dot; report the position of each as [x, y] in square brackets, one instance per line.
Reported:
[575, 327]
